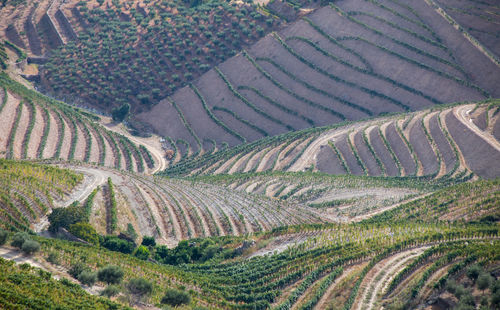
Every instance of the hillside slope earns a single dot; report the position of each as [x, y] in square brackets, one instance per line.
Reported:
[33, 126]
[433, 143]
[347, 61]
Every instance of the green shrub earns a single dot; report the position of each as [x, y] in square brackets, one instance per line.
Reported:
[110, 274]
[19, 238]
[473, 272]
[87, 277]
[64, 217]
[175, 298]
[142, 252]
[30, 246]
[120, 113]
[114, 243]
[110, 291]
[76, 269]
[53, 258]
[85, 231]
[3, 236]
[148, 241]
[484, 281]
[139, 287]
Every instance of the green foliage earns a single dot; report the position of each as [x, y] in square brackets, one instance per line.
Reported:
[30, 246]
[474, 271]
[28, 287]
[175, 298]
[148, 241]
[87, 277]
[120, 113]
[484, 281]
[77, 268]
[112, 225]
[110, 291]
[3, 236]
[142, 252]
[131, 233]
[114, 243]
[85, 231]
[19, 238]
[110, 274]
[64, 217]
[53, 258]
[189, 252]
[139, 287]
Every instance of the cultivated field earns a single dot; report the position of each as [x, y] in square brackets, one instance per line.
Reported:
[433, 144]
[35, 127]
[347, 61]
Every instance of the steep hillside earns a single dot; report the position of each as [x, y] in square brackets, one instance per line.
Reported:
[477, 20]
[172, 210]
[347, 61]
[433, 143]
[28, 192]
[343, 198]
[335, 264]
[96, 52]
[33, 126]
[24, 286]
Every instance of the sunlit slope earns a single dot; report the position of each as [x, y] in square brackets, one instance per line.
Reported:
[347, 61]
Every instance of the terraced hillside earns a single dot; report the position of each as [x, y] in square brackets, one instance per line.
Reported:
[355, 265]
[478, 20]
[347, 61]
[33, 126]
[28, 192]
[96, 52]
[336, 198]
[172, 210]
[433, 143]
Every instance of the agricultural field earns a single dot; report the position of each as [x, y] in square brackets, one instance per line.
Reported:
[281, 154]
[36, 127]
[96, 52]
[172, 210]
[424, 257]
[346, 61]
[437, 143]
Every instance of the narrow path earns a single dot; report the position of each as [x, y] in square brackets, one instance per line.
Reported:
[155, 151]
[309, 156]
[463, 115]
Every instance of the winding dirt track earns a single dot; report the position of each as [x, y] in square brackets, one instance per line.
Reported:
[463, 114]
[156, 152]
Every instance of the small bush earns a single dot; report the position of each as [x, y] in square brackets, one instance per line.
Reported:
[85, 231]
[30, 246]
[64, 217]
[148, 241]
[3, 236]
[19, 238]
[484, 281]
[120, 113]
[53, 258]
[175, 298]
[142, 252]
[76, 269]
[110, 274]
[139, 287]
[87, 277]
[114, 243]
[474, 271]
[110, 291]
